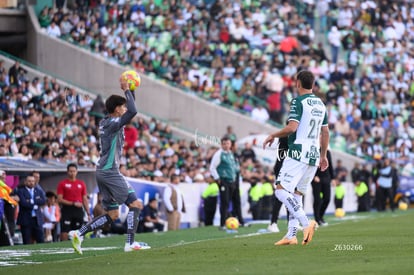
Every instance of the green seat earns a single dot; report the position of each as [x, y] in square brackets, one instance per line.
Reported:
[148, 21]
[212, 46]
[246, 3]
[270, 48]
[159, 21]
[257, 53]
[152, 41]
[323, 84]
[161, 48]
[165, 38]
[234, 47]
[224, 48]
[172, 52]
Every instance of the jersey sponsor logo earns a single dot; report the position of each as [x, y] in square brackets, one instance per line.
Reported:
[68, 185]
[314, 101]
[317, 112]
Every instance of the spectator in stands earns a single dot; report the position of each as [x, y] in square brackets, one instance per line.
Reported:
[53, 29]
[260, 114]
[14, 72]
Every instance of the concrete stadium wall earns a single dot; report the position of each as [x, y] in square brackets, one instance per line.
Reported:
[12, 20]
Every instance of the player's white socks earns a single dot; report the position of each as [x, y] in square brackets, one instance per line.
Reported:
[293, 206]
[292, 227]
[293, 224]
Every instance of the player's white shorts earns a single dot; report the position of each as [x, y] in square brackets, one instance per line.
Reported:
[295, 175]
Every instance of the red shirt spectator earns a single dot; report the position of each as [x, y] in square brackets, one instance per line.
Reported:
[224, 35]
[274, 102]
[288, 44]
[287, 80]
[131, 136]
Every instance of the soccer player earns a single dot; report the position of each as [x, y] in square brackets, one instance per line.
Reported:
[308, 138]
[276, 203]
[114, 188]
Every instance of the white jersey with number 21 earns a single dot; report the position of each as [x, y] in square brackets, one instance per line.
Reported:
[310, 112]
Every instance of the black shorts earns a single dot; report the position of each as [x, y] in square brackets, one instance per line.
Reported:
[72, 218]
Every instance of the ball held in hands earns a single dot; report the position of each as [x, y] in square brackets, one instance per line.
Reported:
[132, 78]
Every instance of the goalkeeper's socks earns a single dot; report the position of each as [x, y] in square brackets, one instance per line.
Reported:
[132, 223]
[96, 223]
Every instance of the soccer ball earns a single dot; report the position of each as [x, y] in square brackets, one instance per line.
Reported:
[232, 223]
[403, 205]
[133, 78]
[339, 213]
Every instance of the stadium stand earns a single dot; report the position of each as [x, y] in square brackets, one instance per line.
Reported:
[244, 50]
[45, 123]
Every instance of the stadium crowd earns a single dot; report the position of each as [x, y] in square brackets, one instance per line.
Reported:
[43, 121]
[235, 51]
[229, 52]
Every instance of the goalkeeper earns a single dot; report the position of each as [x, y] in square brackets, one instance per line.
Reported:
[112, 185]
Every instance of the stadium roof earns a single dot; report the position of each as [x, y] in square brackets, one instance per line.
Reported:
[17, 164]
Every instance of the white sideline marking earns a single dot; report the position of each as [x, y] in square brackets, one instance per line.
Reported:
[17, 257]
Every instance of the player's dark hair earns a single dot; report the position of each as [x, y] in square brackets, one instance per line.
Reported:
[225, 138]
[306, 79]
[114, 101]
[71, 165]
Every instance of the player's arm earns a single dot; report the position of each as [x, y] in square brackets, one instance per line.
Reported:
[130, 103]
[324, 163]
[62, 201]
[85, 202]
[131, 108]
[167, 199]
[289, 129]
[215, 161]
[324, 140]
[295, 114]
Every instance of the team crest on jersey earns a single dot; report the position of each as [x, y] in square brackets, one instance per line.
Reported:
[313, 153]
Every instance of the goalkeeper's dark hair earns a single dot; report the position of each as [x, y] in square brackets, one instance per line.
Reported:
[114, 101]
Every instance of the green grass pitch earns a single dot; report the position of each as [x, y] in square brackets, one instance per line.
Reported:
[366, 243]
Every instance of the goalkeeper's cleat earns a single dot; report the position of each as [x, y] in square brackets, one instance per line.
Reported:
[136, 246]
[308, 232]
[286, 241]
[76, 239]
